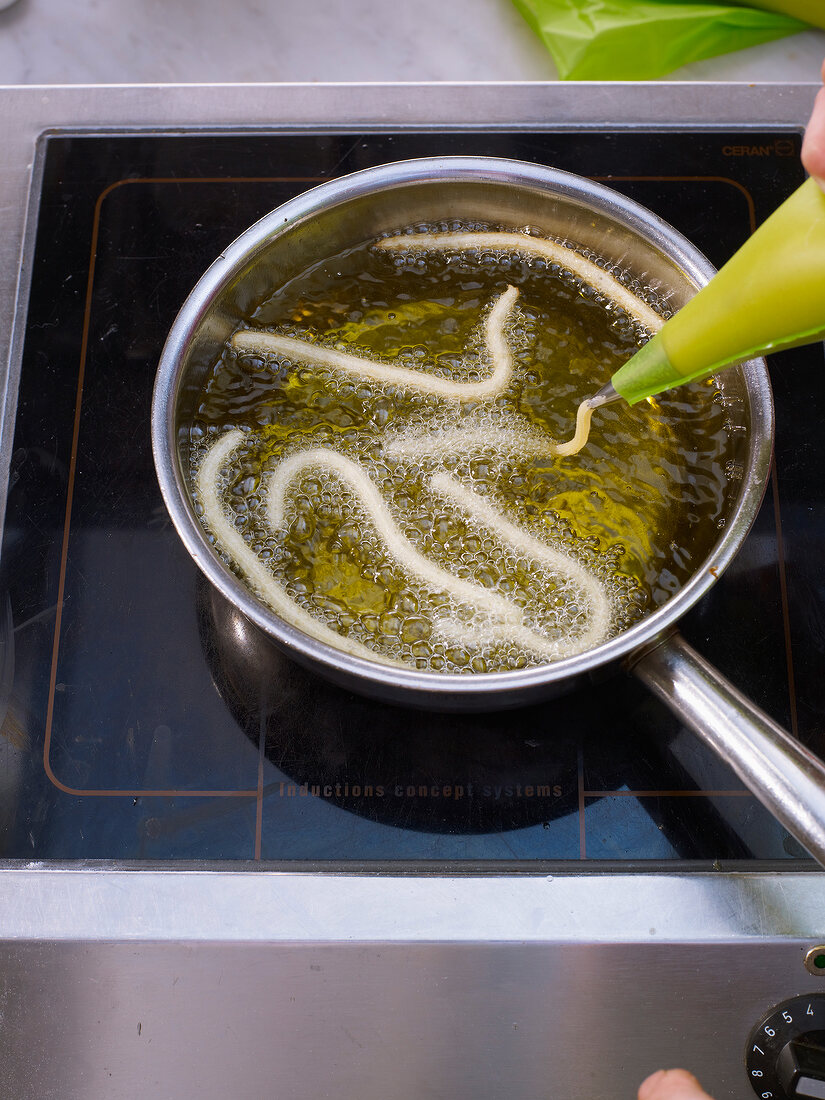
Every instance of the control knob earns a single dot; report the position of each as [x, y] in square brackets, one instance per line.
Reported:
[785, 1056]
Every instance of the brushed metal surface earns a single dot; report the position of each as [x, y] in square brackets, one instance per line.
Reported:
[243, 904]
[305, 1021]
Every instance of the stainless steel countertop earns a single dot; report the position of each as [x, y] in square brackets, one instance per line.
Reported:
[247, 906]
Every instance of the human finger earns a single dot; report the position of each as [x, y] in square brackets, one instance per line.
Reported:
[813, 145]
[672, 1084]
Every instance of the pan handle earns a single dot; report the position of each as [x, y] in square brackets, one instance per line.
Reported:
[786, 778]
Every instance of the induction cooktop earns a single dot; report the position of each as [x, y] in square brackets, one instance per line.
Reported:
[144, 719]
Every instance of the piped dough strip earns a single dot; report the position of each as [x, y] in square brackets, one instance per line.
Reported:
[584, 414]
[396, 543]
[259, 342]
[528, 245]
[303, 351]
[230, 540]
[501, 620]
[481, 510]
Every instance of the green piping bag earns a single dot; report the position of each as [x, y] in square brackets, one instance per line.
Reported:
[770, 295]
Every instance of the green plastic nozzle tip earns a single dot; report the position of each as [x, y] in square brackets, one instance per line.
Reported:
[648, 372]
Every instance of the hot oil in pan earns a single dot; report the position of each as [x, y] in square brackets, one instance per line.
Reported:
[639, 508]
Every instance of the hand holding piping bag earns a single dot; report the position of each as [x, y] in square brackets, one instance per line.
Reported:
[769, 296]
[813, 147]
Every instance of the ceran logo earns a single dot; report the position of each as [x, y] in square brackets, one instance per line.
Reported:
[782, 147]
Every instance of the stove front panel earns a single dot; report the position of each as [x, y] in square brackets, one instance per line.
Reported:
[482, 1021]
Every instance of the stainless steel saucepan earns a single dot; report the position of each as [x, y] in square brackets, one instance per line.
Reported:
[788, 779]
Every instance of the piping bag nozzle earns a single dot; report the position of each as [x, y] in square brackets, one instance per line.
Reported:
[648, 372]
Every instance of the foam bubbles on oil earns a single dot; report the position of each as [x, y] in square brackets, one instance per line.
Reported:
[426, 312]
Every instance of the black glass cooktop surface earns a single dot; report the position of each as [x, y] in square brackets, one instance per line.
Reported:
[144, 719]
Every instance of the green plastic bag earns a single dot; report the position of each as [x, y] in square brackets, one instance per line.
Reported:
[809, 11]
[645, 39]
